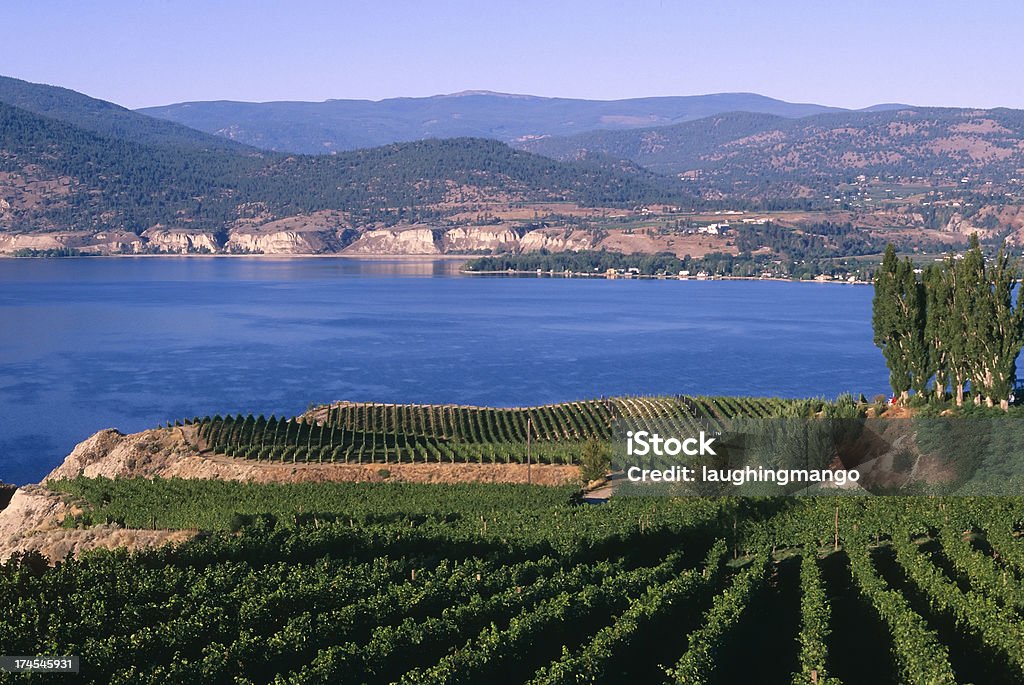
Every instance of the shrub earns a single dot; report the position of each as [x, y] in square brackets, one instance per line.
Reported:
[595, 460]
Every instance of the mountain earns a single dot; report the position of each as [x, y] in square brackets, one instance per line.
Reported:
[59, 176]
[105, 118]
[336, 125]
[753, 149]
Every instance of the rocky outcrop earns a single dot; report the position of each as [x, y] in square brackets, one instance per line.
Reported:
[35, 241]
[11, 243]
[32, 523]
[259, 241]
[32, 520]
[105, 242]
[115, 242]
[477, 238]
[180, 241]
[397, 241]
[557, 240]
[319, 233]
[468, 239]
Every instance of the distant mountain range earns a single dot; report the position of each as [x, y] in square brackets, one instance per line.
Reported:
[336, 125]
[750, 148]
[70, 162]
[741, 144]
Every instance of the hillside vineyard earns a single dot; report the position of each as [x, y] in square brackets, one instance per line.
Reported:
[390, 583]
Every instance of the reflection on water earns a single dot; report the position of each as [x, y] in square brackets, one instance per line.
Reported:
[92, 343]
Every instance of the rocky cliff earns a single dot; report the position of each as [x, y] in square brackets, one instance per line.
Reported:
[180, 241]
[256, 241]
[476, 238]
[468, 240]
[408, 241]
[319, 233]
[558, 240]
[105, 242]
[32, 520]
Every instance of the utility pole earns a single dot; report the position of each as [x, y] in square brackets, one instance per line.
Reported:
[529, 456]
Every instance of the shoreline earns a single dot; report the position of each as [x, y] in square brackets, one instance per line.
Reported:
[650, 277]
[443, 257]
[281, 255]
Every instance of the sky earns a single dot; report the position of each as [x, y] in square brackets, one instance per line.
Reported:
[853, 54]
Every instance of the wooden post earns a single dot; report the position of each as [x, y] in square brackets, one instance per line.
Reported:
[529, 456]
[837, 529]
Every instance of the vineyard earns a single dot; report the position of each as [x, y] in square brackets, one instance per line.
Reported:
[384, 583]
[350, 432]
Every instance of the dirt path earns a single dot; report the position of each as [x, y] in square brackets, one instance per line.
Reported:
[601, 494]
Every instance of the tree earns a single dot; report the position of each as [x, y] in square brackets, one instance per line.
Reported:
[595, 460]
[896, 314]
[958, 323]
[1001, 329]
[938, 314]
[912, 302]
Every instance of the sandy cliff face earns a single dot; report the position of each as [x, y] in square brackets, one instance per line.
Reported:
[317, 233]
[107, 242]
[463, 239]
[35, 241]
[557, 240]
[281, 242]
[470, 238]
[409, 241]
[180, 240]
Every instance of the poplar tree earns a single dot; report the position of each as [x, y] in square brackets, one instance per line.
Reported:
[1001, 329]
[887, 321]
[938, 307]
[912, 306]
[972, 311]
[958, 325]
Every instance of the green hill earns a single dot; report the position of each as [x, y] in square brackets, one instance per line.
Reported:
[104, 118]
[63, 176]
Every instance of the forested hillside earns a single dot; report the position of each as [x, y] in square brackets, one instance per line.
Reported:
[57, 176]
[104, 118]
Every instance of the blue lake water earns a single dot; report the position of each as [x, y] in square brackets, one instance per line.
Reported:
[87, 344]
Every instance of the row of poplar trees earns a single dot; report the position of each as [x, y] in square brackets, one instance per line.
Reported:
[955, 326]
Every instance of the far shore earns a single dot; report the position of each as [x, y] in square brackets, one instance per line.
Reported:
[663, 277]
[278, 255]
[441, 257]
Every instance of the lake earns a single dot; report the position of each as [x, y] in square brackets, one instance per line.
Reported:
[87, 344]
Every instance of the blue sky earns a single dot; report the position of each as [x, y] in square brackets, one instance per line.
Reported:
[850, 54]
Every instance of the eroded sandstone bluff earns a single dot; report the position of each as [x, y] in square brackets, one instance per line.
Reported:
[32, 520]
[313, 235]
